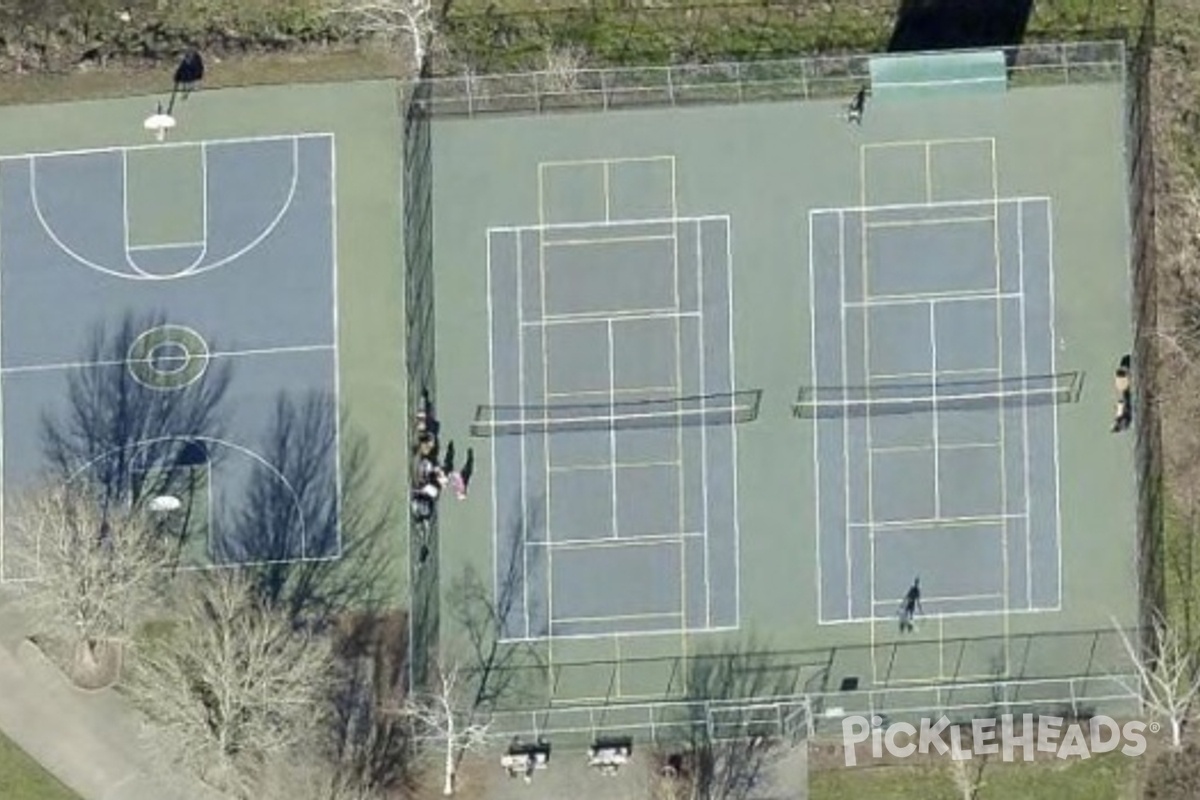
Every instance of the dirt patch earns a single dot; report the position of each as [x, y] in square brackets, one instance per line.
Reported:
[89, 668]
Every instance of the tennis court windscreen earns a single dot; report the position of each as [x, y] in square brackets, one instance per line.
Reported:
[712, 409]
[915, 397]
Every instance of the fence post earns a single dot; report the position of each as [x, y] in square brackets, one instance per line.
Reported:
[671, 85]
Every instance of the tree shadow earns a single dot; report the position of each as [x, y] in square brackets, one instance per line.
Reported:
[731, 750]
[952, 24]
[128, 442]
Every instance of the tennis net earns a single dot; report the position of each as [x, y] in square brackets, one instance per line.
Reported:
[938, 393]
[712, 409]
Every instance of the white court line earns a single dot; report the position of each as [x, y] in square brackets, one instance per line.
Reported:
[619, 617]
[928, 173]
[937, 522]
[866, 209]
[681, 522]
[923, 448]
[659, 222]
[607, 197]
[588, 162]
[816, 428]
[920, 223]
[82, 365]
[3, 436]
[489, 288]
[541, 254]
[137, 248]
[937, 474]
[583, 317]
[89, 151]
[612, 431]
[915, 142]
[1025, 406]
[891, 618]
[609, 465]
[634, 390]
[917, 298]
[195, 268]
[608, 635]
[611, 240]
[1053, 370]
[337, 364]
[845, 424]
[602, 542]
[946, 598]
[984, 372]
[708, 594]
[733, 432]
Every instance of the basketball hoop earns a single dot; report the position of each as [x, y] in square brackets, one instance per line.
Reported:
[159, 124]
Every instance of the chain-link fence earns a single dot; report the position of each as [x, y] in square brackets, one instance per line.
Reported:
[1140, 151]
[739, 82]
[420, 363]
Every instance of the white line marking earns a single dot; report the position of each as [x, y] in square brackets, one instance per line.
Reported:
[928, 172]
[866, 209]
[196, 268]
[495, 466]
[125, 212]
[733, 431]
[845, 362]
[924, 448]
[937, 474]
[816, 427]
[920, 223]
[608, 240]
[612, 432]
[82, 365]
[681, 522]
[598, 467]
[609, 635]
[618, 617]
[1053, 367]
[599, 542]
[586, 318]
[88, 151]
[607, 199]
[337, 365]
[938, 522]
[545, 439]
[920, 298]
[137, 248]
[1024, 335]
[662, 222]
[915, 142]
[708, 594]
[981, 372]
[634, 390]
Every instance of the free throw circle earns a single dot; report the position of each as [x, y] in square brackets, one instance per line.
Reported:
[168, 357]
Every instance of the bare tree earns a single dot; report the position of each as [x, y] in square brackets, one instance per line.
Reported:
[233, 685]
[448, 716]
[561, 71]
[1169, 674]
[409, 20]
[98, 571]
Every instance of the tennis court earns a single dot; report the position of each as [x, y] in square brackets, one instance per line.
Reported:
[737, 400]
[612, 409]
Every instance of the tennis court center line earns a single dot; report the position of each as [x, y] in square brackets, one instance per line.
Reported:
[921, 223]
[600, 542]
[703, 433]
[937, 473]
[845, 424]
[922, 448]
[612, 429]
[546, 502]
[617, 465]
[615, 315]
[619, 617]
[521, 368]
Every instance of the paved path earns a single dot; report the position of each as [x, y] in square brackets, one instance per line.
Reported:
[88, 740]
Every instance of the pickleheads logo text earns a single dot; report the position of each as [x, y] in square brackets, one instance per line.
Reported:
[1005, 737]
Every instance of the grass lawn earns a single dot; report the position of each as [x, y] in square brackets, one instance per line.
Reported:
[1106, 777]
[22, 778]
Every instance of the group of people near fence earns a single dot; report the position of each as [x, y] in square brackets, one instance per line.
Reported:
[433, 465]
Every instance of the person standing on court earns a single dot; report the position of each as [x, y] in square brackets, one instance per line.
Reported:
[910, 606]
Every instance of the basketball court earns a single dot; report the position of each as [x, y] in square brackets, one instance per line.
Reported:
[157, 302]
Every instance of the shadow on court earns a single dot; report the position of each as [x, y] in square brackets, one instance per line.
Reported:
[110, 417]
[950, 24]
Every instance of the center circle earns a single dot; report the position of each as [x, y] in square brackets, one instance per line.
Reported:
[168, 357]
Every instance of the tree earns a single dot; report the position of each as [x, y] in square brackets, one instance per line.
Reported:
[1169, 675]
[446, 715]
[97, 571]
[411, 20]
[233, 685]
